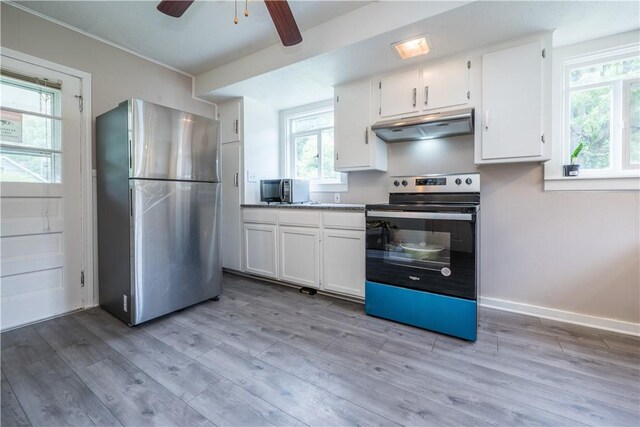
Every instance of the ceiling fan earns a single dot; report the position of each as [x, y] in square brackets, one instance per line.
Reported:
[279, 10]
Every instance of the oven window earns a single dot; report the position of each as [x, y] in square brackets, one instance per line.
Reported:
[426, 254]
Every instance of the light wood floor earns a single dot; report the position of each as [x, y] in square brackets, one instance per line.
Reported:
[267, 355]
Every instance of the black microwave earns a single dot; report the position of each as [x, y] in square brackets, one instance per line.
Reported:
[285, 190]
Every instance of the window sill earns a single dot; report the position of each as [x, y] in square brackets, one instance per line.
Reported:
[592, 183]
[329, 188]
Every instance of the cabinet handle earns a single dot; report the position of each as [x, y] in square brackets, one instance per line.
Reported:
[366, 135]
[426, 95]
[235, 179]
[486, 119]
[337, 156]
[415, 96]
[235, 124]
[131, 202]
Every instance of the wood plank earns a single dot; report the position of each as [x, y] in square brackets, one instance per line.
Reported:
[135, 398]
[547, 390]
[183, 338]
[221, 330]
[442, 388]
[300, 399]
[11, 413]
[22, 347]
[175, 371]
[226, 404]
[52, 394]
[399, 405]
[74, 343]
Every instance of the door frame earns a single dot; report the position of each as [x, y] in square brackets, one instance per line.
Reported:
[89, 292]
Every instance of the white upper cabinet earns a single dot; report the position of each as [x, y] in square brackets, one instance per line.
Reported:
[230, 121]
[514, 113]
[399, 94]
[446, 84]
[356, 146]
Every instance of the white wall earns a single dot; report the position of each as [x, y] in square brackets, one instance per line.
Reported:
[261, 146]
[570, 251]
[116, 74]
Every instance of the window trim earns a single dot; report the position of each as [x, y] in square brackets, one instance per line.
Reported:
[626, 124]
[595, 51]
[287, 148]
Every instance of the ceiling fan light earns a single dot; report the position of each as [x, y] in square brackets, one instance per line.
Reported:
[412, 47]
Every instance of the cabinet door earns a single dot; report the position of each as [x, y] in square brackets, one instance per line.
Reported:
[231, 229]
[261, 249]
[300, 256]
[344, 261]
[230, 124]
[352, 143]
[399, 94]
[512, 102]
[446, 84]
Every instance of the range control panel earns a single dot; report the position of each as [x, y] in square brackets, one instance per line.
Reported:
[454, 183]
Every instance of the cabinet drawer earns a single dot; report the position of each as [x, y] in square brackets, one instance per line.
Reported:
[344, 220]
[260, 215]
[299, 217]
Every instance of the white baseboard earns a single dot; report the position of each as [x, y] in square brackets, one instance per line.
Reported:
[603, 323]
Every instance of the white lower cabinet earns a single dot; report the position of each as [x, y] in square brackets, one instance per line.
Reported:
[343, 268]
[261, 249]
[322, 250]
[300, 255]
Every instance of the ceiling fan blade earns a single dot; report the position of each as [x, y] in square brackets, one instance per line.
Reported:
[284, 21]
[174, 8]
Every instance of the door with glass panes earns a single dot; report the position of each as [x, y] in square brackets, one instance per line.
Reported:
[40, 193]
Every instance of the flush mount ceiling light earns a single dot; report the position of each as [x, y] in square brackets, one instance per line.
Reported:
[414, 46]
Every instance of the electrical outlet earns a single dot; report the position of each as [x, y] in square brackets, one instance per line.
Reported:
[251, 176]
[336, 197]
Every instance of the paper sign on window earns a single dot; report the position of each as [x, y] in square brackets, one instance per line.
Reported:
[11, 127]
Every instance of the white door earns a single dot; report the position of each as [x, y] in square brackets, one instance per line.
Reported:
[300, 255]
[344, 261]
[399, 94]
[512, 116]
[353, 140]
[446, 84]
[261, 250]
[231, 226]
[41, 202]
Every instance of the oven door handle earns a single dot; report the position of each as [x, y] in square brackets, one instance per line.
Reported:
[452, 216]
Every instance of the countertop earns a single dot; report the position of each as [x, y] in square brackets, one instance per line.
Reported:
[326, 206]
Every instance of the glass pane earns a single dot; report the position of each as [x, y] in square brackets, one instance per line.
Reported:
[590, 123]
[634, 124]
[36, 99]
[307, 156]
[29, 131]
[316, 121]
[28, 167]
[605, 72]
[328, 156]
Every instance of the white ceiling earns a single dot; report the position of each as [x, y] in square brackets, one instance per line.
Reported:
[202, 39]
[206, 38]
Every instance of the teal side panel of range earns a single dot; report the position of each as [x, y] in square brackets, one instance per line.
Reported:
[449, 315]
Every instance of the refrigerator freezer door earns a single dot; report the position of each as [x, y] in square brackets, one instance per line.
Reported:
[171, 144]
[175, 246]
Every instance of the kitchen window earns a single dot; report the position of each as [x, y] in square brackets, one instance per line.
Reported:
[309, 148]
[30, 132]
[597, 103]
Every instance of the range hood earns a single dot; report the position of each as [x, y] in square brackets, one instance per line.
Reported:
[428, 126]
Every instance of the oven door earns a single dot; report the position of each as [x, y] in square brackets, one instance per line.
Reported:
[428, 251]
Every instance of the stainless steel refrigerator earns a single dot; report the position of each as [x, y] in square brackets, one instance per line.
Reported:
[158, 210]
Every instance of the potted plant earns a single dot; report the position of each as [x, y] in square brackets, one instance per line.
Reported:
[572, 169]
